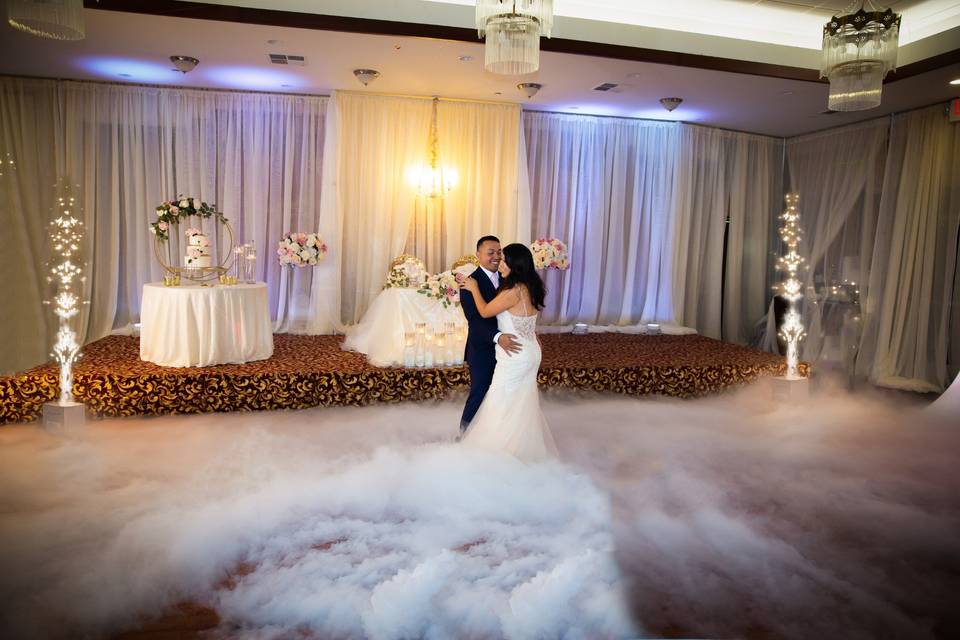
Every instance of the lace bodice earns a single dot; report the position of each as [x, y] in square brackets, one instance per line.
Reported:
[524, 326]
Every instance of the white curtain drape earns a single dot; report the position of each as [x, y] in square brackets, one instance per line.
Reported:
[726, 192]
[880, 208]
[127, 148]
[911, 295]
[375, 140]
[484, 143]
[603, 186]
[838, 175]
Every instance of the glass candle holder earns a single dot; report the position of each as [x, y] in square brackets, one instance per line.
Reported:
[440, 348]
[409, 349]
[428, 348]
[250, 265]
[239, 259]
[450, 341]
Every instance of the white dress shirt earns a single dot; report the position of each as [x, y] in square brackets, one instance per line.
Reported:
[494, 277]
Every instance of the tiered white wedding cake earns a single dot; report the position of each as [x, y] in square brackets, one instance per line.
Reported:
[198, 250]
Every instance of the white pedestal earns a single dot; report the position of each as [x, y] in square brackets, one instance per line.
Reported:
[62, 417]
[790, 389]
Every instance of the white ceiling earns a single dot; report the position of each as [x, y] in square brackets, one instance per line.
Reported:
[122, 47]
[772, 31]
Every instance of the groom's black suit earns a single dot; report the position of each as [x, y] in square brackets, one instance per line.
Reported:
[480, 354]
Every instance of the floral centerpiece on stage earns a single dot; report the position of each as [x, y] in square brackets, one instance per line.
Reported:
[550, 253]
[443, 287]
[406, 271]
[301, 249]
[172, 211]
[397, 278]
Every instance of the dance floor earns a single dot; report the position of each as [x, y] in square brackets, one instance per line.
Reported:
[310, 371]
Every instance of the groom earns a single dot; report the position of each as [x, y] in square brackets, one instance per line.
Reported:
[482, 334]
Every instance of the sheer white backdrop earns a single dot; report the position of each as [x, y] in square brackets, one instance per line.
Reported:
[646, 208]
[127, 148]
[728, 187]
[880, 206]
[373, 214]
[603, 186]
[911, 292]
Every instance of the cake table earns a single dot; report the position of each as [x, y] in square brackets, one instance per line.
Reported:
[198, 326]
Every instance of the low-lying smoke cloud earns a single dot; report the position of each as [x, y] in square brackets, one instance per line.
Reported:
[729, 516]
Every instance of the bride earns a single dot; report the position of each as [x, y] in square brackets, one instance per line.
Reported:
[510, 419]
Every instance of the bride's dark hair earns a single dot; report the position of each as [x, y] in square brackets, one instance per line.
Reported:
[522, 271]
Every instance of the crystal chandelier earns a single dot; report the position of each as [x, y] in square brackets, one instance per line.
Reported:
[433, 180]
[858, 51]
[513, 29]
[55, 19]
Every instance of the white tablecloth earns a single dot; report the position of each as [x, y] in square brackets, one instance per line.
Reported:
[394, 312]
[194, 326]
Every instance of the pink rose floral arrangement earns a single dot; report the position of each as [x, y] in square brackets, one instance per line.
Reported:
[173, 211]
[443, 287]
[301, 249]
[550, 253]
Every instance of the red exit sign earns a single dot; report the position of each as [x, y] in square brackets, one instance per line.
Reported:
[955, 110]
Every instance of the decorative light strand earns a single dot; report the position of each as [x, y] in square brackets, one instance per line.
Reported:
[791, 289]
[66, 234]
[433, 179]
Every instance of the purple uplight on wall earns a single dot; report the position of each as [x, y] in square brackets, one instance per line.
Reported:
[130, 69]
[251, 78]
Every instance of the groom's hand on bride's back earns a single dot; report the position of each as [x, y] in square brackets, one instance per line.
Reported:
[508, 342]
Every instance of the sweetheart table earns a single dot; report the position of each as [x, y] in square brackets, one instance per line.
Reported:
[394, 312]
[197, 326]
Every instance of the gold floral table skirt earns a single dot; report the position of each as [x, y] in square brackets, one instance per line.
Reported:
[310, 371]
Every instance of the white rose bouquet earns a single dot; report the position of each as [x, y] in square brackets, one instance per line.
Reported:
[301, 249]
[550, 253]
[397, 278]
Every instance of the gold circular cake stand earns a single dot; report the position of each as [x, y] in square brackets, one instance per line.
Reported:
[199, 274]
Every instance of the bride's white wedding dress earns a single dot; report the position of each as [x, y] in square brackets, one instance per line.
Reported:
[510, 419]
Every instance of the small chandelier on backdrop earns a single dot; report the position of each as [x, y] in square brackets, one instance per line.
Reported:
[512, 29]
[433, 180]
[858, 51]
[55, 19]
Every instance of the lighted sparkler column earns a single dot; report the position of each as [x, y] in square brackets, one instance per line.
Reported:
[791, 289]
[66, 274]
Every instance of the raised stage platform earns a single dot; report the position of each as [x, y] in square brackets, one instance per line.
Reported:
[310, 371]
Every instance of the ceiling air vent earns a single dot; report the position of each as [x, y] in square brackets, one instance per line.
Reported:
[606, 86]
[282, 58]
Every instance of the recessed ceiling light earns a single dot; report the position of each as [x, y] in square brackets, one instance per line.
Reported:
[574, 107]
[957, 81]
[397, 47]
[634, 75]
[273, 41]
[465, 58]
[124, 75]
[787, 93]
[498, 93]
[286, 86]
